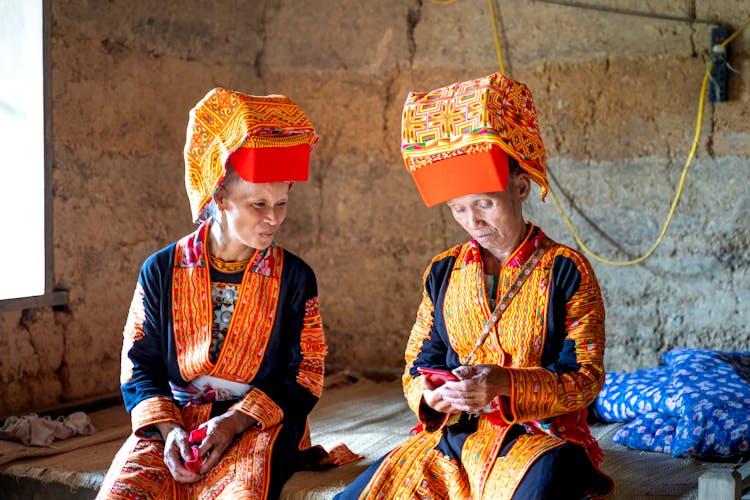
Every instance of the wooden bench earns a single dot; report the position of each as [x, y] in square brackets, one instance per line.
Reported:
[725, 483]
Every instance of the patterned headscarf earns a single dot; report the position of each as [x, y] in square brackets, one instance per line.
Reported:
[225, 121]
[468, 118]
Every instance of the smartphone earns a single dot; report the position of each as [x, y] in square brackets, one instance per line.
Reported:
[437, 377]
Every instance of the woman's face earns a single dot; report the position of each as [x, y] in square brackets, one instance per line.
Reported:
[253, 212]
[493, 219]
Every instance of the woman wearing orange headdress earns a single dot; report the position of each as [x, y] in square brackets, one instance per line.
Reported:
[224, 351]
[507, 349]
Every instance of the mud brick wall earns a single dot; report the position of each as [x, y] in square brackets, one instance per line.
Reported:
[616, 84]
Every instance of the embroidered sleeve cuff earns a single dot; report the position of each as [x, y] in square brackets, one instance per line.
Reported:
[521, 395]
[153, 411]
[261, 407]
[413, 392]
[533, 395]
[430, 419]
[314, 350]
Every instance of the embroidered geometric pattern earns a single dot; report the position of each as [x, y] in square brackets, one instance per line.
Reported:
[193, 415]
[479, 453]
[191, 250]
[251, 322]
[419, 333]
[510, 289]
[506, 475]
[262, 408]
[136, 456]
[191, 317]
[469, 117]
[228, 267]
[312, 343]
[139, 471]
[154, 410]
[415, 470]
[537, 391]
[221, 122]
[253, 462]
[133, 331]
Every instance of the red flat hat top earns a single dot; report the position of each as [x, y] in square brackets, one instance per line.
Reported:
[483, 172]
[272, 164]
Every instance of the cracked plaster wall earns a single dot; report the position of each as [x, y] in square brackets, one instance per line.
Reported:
[616, 93]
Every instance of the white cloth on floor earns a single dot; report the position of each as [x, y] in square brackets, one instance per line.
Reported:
[31, 429]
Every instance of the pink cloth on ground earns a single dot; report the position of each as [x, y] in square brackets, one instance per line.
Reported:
[34, 430]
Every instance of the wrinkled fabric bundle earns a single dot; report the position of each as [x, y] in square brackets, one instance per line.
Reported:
[34, 430]
[697, 404]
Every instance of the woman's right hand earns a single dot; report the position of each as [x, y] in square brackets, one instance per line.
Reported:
[177, 451]
[220, 431]
[432, 395]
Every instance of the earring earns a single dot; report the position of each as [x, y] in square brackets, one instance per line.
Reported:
[219, 217]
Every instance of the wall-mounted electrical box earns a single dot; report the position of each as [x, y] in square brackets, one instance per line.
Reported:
[719, 84]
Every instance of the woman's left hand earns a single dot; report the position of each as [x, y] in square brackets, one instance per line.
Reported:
[478, 386]
[220, 431]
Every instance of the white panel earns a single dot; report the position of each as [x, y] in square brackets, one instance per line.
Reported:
[22, 263]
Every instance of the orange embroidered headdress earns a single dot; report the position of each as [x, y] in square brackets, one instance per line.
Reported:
[265, 138]
[455, 140]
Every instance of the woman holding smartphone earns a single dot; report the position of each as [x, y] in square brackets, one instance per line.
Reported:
[507, 349]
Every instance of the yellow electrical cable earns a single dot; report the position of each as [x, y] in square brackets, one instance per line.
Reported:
[497, 37]
[734, 35]
[494, 29]
[658, 241]
[688, 161]
[668, 220]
